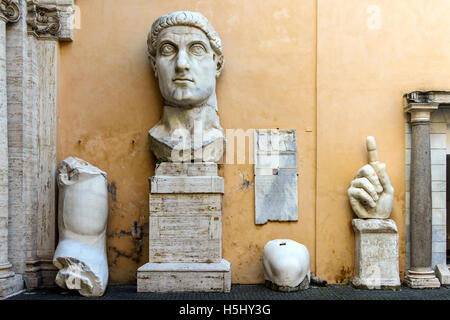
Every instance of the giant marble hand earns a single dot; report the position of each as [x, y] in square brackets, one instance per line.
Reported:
[371, 193]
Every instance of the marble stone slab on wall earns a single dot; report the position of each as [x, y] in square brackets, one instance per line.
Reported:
[276, 186]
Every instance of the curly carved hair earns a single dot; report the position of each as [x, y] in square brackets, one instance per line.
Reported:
[184, 18]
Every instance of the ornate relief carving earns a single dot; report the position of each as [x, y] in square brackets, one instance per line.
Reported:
[43, 21]
[50, 19]
[9, 11]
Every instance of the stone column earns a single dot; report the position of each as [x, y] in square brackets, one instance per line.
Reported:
[10, 283]
[420, 275]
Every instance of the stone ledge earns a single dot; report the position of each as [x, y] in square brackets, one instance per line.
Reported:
[374, 226]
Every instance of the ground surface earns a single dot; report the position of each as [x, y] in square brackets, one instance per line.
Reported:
[246, 292]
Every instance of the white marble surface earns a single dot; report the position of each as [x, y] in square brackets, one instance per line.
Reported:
[286, 264]
[371, 193]
[82, 217]
[276, 186]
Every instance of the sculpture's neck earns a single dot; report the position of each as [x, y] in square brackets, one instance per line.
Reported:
[196, 118]
[201, 117]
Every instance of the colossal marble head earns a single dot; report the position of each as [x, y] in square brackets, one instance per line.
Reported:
[186, 55]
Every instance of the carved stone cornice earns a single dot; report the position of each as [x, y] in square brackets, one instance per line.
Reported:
[432, 97]
[9, 11]
[420, 104]
[43, 21]
[50, 19]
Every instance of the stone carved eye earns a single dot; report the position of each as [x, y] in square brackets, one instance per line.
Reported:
[198, 49]
[167, 49]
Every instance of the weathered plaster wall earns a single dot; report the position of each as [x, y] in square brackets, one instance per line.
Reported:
[108, 99]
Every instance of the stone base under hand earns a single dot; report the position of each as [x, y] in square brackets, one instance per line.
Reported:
[184, 277]
[377, 283]
[421, 280]
[376, 254]
[10, 286]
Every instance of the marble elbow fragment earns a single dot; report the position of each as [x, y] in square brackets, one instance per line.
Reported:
[82, 217]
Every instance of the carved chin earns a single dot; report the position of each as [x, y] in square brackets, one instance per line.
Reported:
[187, 97]
[180, 95]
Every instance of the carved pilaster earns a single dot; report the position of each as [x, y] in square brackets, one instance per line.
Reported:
[52, 21]
[9, 11]
[49, 19]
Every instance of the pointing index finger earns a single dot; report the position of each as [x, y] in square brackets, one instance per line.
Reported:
[372, 150]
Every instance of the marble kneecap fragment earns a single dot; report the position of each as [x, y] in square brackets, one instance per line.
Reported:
[82, 218]
[286, 265]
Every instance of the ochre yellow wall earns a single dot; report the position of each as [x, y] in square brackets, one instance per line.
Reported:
[362, 74]
[309, 65]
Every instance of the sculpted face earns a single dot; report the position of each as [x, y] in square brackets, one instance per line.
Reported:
[186, 66]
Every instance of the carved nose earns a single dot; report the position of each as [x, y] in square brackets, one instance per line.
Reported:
[182, 63]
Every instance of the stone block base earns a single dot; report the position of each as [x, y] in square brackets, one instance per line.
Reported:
[184, 277]
[376, 254]
[443, 274]
[421, 280]
[10, 286]
[380, 284]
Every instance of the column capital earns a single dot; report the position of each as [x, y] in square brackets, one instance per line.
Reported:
[428, 97]
[421, 112]
[50, 19]
[9, 11]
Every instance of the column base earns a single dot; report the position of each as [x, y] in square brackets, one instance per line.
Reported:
[375, 283]
[40, 274]
[11, 286]
[421, 280]
[32, 276]
[184, 277]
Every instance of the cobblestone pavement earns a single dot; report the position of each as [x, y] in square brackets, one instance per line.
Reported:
[246, 292]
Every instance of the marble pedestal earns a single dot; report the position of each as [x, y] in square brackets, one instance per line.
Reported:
[376, 254]
[185, 231]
